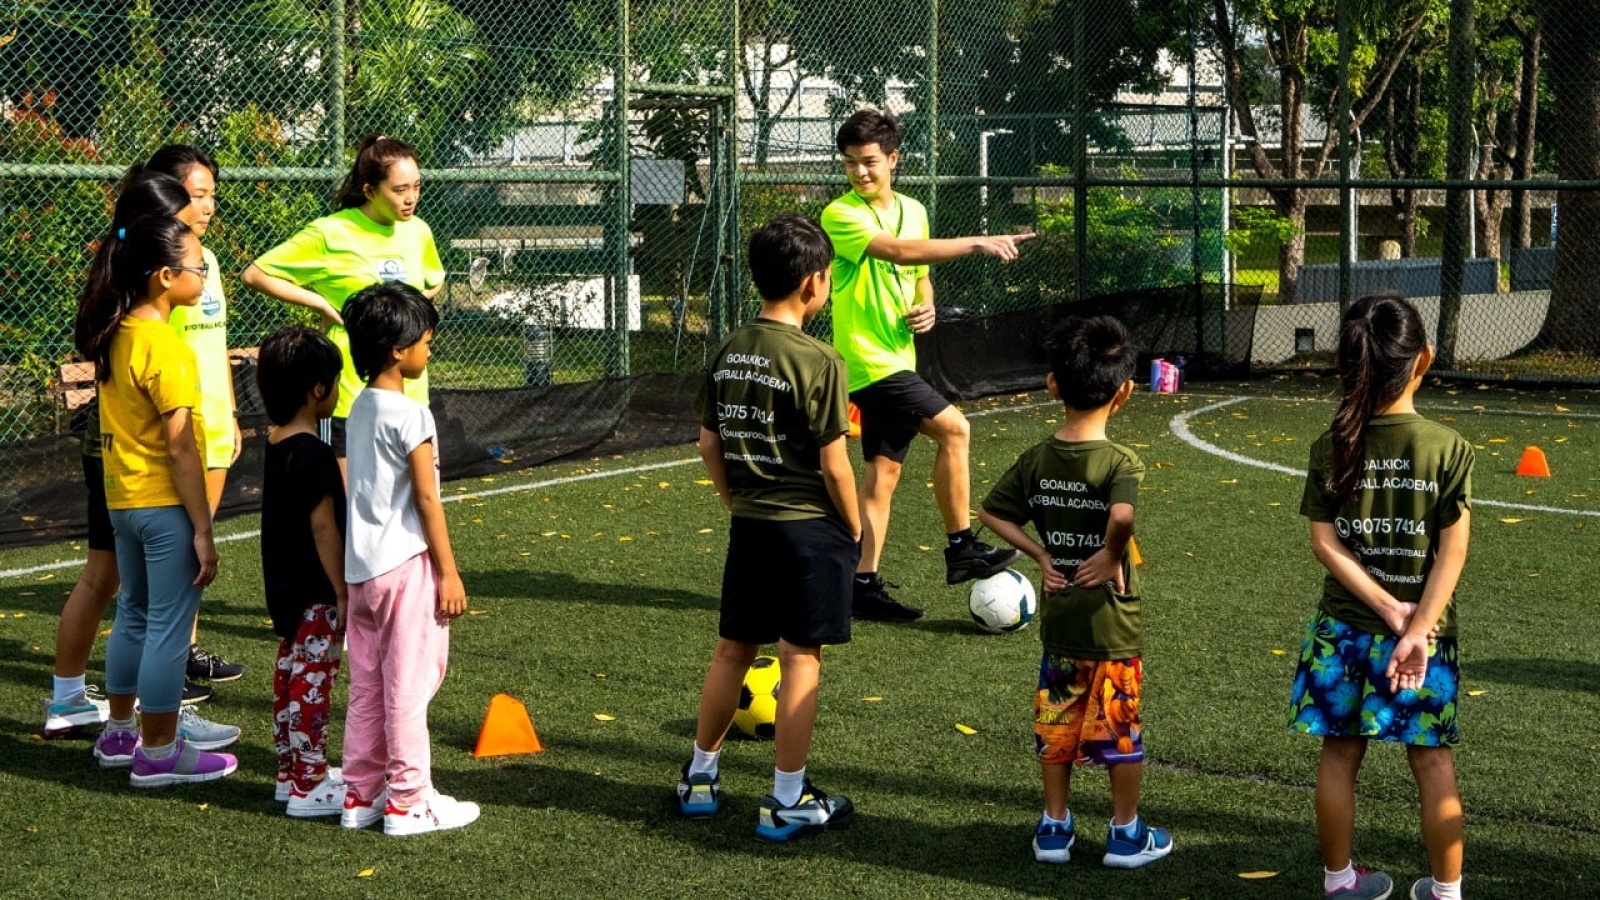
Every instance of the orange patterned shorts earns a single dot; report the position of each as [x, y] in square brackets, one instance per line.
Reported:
[1087, 711]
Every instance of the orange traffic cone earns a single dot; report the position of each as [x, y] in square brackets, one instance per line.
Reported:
[1533, 463]
[1133, 549]
[855, 421]
[507, 730]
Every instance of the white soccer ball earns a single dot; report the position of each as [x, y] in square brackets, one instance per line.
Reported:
[1003, 602]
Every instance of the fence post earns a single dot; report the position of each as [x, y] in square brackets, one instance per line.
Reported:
[1343, 117]
[1080, 159]
[1458, 168]
[617, 363]
[933, 116]
[729, 233]
[336, 101]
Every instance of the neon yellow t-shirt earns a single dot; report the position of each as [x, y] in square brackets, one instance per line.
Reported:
[871, 296]
[204, 327]
[339, 255]
[153, 372]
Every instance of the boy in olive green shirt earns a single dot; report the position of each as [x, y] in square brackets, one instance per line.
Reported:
[1078, 490]
[772, 427]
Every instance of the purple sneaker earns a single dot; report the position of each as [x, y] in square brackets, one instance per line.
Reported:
[185, 765]
[115, 748]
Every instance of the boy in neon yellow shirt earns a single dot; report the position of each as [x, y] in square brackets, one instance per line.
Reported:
[883, 297]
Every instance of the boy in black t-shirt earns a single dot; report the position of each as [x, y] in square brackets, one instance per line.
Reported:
[302, 561]
[773, 417]
[1078, 489]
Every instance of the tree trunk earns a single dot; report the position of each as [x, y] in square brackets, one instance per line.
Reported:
[1574, 56]
[1292, 255]
[1527, 121]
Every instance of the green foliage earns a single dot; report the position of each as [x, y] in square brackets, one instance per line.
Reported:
[1253, 224]
[133, 112]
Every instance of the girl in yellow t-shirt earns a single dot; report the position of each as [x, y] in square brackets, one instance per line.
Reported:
[150, 432]
[374, 236]
[204, 327]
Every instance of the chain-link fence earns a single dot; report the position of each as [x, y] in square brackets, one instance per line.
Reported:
[1228, 173]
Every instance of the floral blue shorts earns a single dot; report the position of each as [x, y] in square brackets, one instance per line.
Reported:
[1340, 689]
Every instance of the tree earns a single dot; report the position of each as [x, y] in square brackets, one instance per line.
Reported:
[1301, 45]
[1572, 41]
[1508, 99]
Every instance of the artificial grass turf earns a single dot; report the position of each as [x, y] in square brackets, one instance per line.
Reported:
[587, 622]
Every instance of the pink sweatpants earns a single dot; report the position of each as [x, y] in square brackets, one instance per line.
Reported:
[398, 647]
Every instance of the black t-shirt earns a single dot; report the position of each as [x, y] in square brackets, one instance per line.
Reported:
[300, 471]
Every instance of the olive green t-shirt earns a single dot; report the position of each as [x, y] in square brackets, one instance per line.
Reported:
[870, 296]
[1416, 482]
[776, 396]
[1065, 490]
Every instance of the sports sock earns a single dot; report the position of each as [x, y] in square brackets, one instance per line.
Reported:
[161, 752]
[1447, 890]
[128, 724]
[704, 763]
[1127, 832]
[957, 538]
[866, 577]
[787, 786]
[67, 688]
[1340, 880]
[1067, 822]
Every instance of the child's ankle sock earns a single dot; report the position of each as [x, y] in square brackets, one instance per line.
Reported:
[704, 763]
[1447, 890]
[67, 688]
[1065, 823]
[957, 538]
[787, 786]
[1338, 881]
[128, 724]
[161, 752]
[1126, 832]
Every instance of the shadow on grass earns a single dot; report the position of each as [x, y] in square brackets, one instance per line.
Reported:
[1559, 674]
[522, 584]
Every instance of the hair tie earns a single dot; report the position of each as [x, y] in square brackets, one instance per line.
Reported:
[122, 234]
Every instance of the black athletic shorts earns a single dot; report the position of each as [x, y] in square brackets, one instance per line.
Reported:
[101, 536]
[892, 410]
[788, 580]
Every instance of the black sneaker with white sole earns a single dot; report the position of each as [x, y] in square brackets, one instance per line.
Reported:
[195, 693]
[975, 559]
[207, 666]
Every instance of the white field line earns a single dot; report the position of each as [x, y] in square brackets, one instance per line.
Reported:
[1180, 430]
[452, 498]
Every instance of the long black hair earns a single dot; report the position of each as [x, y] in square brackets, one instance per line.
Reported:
[374, 155]
[174, 160]
[134, 251]
[1379, 341]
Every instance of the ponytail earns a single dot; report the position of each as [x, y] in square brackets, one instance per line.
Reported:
[1379, 341]
[374, 155]
[120, 278]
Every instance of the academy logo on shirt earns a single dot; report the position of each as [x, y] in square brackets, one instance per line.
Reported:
[392, 269]
[210, 304]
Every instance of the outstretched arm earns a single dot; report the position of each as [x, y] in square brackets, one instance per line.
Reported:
[927, 251]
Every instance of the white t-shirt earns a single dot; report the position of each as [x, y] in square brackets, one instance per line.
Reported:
[385, 529]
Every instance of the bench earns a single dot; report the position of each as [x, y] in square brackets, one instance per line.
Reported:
[75, 386]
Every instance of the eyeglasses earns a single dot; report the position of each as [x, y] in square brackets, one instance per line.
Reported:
[202, 270]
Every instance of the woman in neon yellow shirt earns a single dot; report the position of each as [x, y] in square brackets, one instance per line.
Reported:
[375, 235]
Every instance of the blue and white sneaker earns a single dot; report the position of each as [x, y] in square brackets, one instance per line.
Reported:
[203, 734]
[75, 716]
[1367, 886]
[1422, 889]
[1147, 845]
[814, 813]
[1052, 841]
[699, 796]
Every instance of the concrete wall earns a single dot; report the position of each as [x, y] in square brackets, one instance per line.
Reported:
[1492, 325]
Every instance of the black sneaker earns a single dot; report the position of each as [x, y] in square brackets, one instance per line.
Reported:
[207, 666]
[975, 559]
[195, 693]
[872, 603]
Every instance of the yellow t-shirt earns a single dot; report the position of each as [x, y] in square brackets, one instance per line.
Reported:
[339, 255]
[204, 327]
[153, 372]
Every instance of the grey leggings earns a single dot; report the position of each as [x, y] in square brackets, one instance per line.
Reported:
[149, 646]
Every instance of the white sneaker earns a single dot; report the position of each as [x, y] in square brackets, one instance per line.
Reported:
[359, 813]
[285, 785]
[437, 813]
[203, 734]
[326, 799]
[83, 713]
